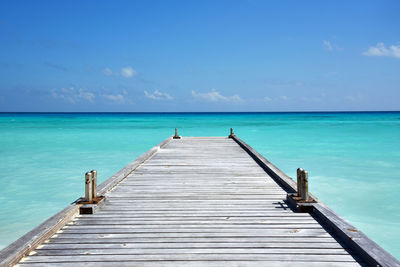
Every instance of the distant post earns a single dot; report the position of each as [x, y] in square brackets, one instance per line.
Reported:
[232, 133]
[176, 136]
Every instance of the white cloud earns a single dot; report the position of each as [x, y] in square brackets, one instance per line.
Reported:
[357, 97]
[380, 50]
[283, 98]
[119, 98]
[107, 72]
[328, 46]
[86, 95]
[267, 99]
[73, 95]
[128, 72]
[215, 96]
[276, 83]
[312, 98]
[157, 95]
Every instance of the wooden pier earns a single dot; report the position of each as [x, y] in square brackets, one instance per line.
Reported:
[197, 201]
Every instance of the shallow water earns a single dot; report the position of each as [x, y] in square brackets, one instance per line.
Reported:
[352, 158]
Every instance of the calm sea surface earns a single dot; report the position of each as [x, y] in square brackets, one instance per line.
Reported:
[353, 159]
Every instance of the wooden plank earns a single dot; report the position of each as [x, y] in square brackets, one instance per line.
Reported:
[284, 222]
[209, 245]
[185, 227]
[217, 263]
[276, 217]
[272, 233]
[195, 213]
[197, 257]
[199, 191]
[164, 250]
[132, 205]
[198, 208]
[62, 239]
[194, 197]
[262, 231]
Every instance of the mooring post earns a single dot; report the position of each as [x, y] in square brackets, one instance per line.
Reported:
[301, 201]
[92, 201]
[88, 186]
[176, 136]
[94, 184]
[299, 180]
[232, 133]
[304, 185]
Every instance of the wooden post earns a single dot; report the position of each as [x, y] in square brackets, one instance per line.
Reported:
[94, 184]
[232, 133]
[88, 186]
[304, 185]
[299, 174]
[176, 136]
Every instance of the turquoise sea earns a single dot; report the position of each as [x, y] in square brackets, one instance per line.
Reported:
[353, 159]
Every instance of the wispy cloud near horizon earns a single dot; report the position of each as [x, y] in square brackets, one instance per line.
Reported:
[268, 99]
[118, 98]
[215, 96]
[330, 46]
[73, 95]
[380, 50]
[126, 72]
[157, 95]
[56, 66]
[107, 72]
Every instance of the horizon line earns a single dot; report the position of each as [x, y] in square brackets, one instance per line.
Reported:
[183, 112]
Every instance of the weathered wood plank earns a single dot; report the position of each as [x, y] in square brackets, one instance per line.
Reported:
[193, 232]
[266, 214]
[133, 205]
[282, 234]
[199, 218]
[208, 245]
[217, 263]
[162, 251]
[62, 239]
[115, 205]
[133, 228]
[193, 256]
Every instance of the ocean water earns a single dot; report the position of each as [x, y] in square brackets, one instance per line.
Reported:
[353, 159]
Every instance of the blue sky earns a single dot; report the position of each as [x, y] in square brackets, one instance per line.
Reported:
[199, 55]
